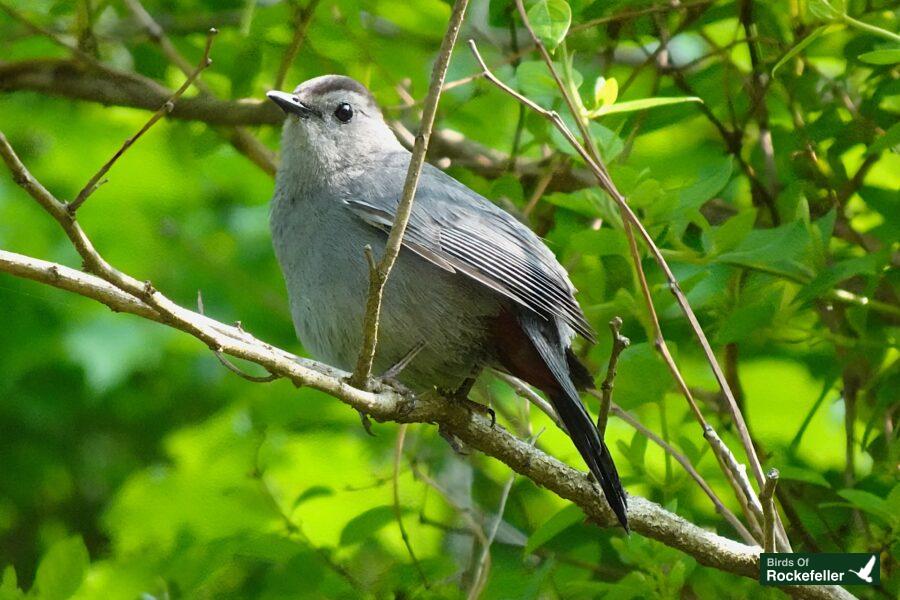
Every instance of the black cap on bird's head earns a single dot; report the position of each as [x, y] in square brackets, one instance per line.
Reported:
[334, 121]
[329, 94]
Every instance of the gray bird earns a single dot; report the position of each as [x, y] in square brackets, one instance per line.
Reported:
[472, 286]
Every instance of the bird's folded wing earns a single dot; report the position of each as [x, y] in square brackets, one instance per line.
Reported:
[460, 231]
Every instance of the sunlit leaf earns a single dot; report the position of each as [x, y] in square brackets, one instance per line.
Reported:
[606, 91]
[562, 520]
[644, 104]
[800, 46]
[62, 569]
[551, 20]
[881, 57]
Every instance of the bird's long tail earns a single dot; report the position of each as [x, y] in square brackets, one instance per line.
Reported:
[581, 428]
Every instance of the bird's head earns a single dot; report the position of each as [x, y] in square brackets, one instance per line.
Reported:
[332, 122]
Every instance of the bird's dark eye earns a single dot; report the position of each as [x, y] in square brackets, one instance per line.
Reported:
[344, 112]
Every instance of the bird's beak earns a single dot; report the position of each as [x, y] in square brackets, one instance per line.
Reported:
[290, 104]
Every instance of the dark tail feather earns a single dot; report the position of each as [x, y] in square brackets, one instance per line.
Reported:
[574, 416]
[593, 450]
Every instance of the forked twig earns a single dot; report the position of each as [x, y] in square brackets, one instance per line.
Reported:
[378, 278]
[767, 498]
[226, 362]
[599, 171]
[689, 469]
[620, 342]
[97, 179]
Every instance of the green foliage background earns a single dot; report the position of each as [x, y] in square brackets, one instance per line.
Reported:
[132, 464]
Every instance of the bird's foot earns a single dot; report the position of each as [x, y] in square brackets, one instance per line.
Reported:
[461, 396]
[366, 422]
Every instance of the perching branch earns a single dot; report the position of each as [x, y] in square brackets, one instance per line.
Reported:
[378, 277]
[123, 293]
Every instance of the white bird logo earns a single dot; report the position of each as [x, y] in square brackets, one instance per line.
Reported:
[866, 572]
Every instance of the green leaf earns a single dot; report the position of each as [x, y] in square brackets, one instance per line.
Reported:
[816, 34]
[642, 376]
[550, 20]
[869, 503]
[62, 569]
[746, 320]
[365, 525]
[800, 474]
[821, 9]
[712, 178]
[536, 82]
[562, 520]
[606, 91]
[643, 104]
[9, 585]
[782, 251]
[316, 491]
[729, 234]
[881, 57]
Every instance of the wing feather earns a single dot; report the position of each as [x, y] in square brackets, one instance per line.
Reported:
[459, 230]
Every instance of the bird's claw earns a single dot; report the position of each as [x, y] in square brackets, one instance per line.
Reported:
[471, 405]
[366, 423]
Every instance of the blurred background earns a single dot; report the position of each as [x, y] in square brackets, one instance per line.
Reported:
[132, 464]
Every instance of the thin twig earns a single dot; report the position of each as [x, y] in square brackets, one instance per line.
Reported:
[648, 519]
[523, 390]
[377, 281]
[302, 18]
[620, 342]
[767, 498]
[97, 179]
[633, 14]
[607, 184]
[398, 513]
[230, 365]
[292, 528]
[483, 567]
[239, 137]
[758, 87]
[689, 469]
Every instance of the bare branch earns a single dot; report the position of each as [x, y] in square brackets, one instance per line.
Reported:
[377, 281]
[647, 518]
[620, 342]
[302, 18]
[163, 110]
[768, 508]
[689, 468]
[242, 140]
[607, 184]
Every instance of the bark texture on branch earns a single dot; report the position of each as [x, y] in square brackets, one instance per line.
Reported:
[386, 404]
[68, 78]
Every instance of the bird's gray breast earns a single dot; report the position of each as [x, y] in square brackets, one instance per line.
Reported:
[320, 248]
